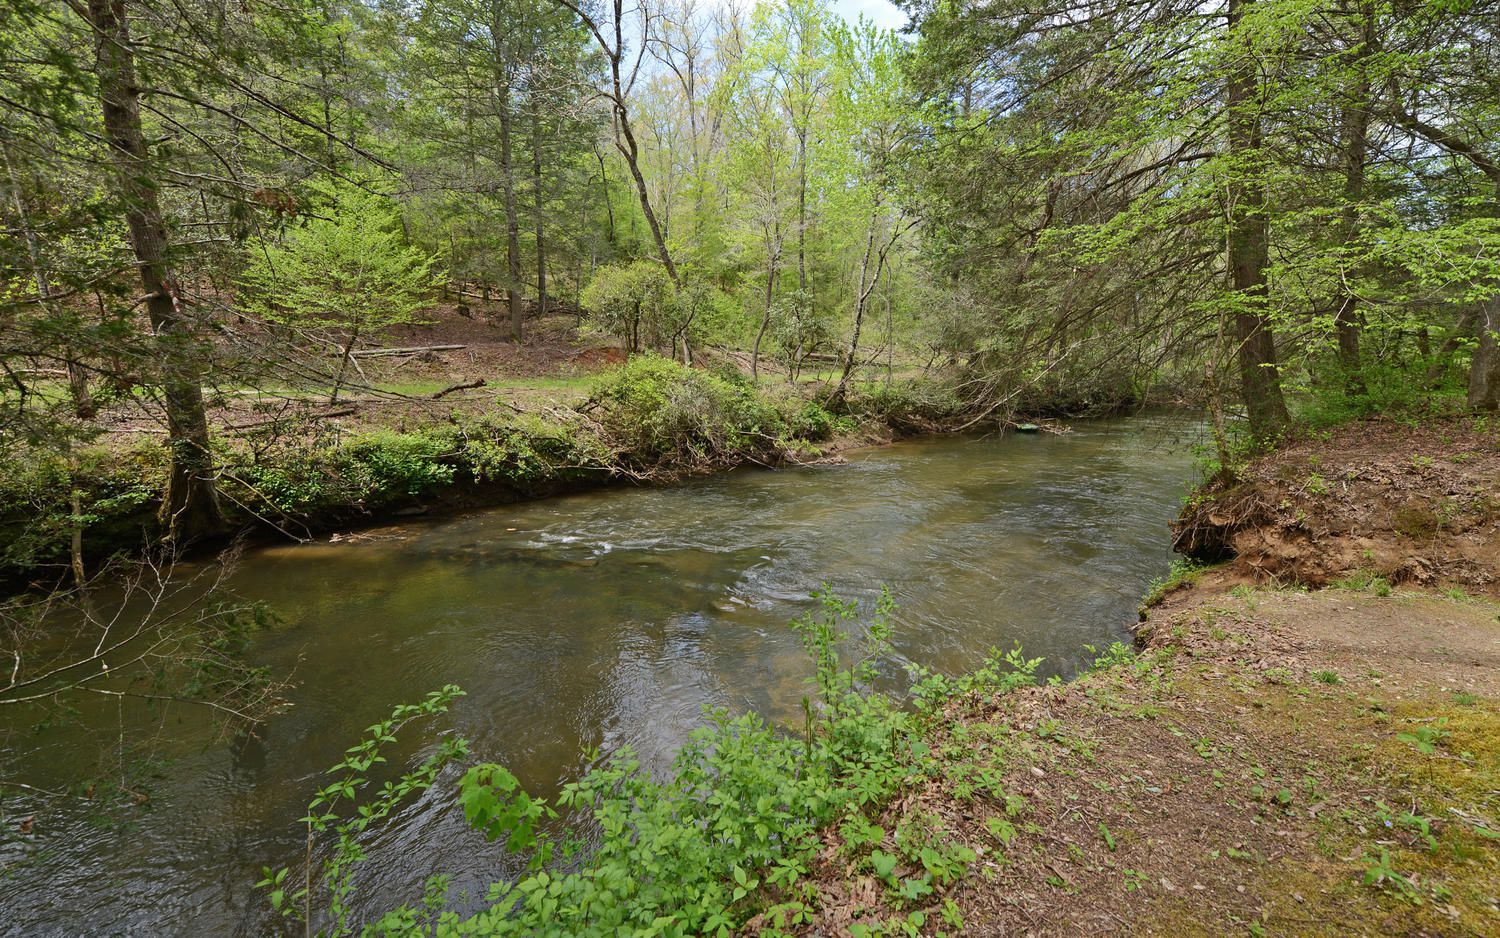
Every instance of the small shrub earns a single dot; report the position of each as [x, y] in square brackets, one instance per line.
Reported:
[662, 413]
[815, 423]
[368, 470]
[117, 495]
[527, 452]
[907, 405]
[1184, 572]
[1364, 581]
[690, 854]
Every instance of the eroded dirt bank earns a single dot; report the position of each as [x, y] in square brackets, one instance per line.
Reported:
[1274, 759]
[1414, 504]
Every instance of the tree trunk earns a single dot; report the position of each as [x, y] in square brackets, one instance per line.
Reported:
[765, 318]
[1439, 366]
[507, 178]
[802, 212]
[626, 144]
[346, 356]
[1249, 245]
[1348, 321]
[861, 297]
[539, 201]
[190, 506]
[609, 207]
[1484, 373]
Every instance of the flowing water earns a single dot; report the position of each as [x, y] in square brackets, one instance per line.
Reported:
[589, 622]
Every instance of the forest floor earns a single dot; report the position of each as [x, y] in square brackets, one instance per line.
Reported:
[451, 361]
[1274, 759]
[459, 362]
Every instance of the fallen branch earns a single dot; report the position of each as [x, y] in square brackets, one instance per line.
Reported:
[466, 386]
[413, 350]
[340, 412]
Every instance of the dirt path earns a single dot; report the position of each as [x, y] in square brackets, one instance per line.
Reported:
[1270, 761]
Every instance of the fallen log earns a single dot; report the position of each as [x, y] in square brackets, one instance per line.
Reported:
[323, 415]
[466, 386]
[412, 350]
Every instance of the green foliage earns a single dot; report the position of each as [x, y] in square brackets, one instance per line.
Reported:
[1378, 389]
[116, 491]
[1381, 873]
[342, 808]
[1184, 572]
[651, 416]
[812, 421]
[345, 268]
[362, 471]
[733, 831]
[636, 303]
[798, 329]
[496, 806]
[527, 452]
[1425, 739]
[907, 405]
[1364, 581]
[660, 412]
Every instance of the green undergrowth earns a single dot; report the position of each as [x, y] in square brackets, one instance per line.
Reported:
[648, 419]
[1376, 389]
[730, 836]
[1183, 573]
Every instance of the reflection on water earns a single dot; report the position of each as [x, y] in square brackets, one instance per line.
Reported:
[599, 621]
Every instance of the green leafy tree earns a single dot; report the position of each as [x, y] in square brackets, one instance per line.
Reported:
[636, 303]
[350, 272]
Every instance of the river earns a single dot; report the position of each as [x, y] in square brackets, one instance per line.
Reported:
[597, 620]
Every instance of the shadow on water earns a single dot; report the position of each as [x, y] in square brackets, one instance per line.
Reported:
[604, 620]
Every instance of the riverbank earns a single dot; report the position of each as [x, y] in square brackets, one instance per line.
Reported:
[1274, 758]
[300, 474]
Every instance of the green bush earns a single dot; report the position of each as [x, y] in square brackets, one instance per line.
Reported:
[661, 413]
[117, 495]
[1380, 390]
[907, 405]
[651, 415]
[635, 303]
[813, 422]
[528, 452]
[366, 470]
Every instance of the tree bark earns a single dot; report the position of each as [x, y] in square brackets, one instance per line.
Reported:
[346, 355]
[765, 318]
[866, 287]
[507, 177]
[1249, 245]
[190, 506]
[1348, 322]
[1484, 373]
[802, 212]
[625, 140]
[539, 201]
